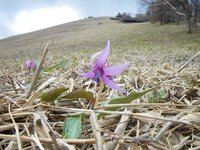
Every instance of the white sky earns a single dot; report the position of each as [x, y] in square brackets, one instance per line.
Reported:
[27, 21]
[21, 16]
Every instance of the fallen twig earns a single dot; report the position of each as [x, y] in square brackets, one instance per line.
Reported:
[188, 62]
[48, 140]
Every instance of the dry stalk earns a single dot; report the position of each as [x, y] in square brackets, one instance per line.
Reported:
[9, 99]
[158, 146]
[195, 148]
[181, 145]
[10, 145]
[99, 94]
[48, 140]
[37, 141]
[9, 126]
[16, 129]
[28, 133]
[33, 97]
[53, 137]
[142, 105]
[119, 129]
[138, 128]
[66, 109]
[123, 140]
[96, 131]
[141, 116]
[189, 61]
[51, 132]
[166, 126]
[39, 68]
[38, 92]
[129, 139]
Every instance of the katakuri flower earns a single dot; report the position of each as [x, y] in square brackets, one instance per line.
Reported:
[30, 64]
[102, 73]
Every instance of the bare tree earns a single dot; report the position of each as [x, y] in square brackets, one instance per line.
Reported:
[160, 11]
[195, 12]
[172, 10]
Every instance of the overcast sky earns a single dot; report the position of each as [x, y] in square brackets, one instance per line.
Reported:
[21, 16]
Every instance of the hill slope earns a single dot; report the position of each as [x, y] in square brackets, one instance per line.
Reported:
[92, 34]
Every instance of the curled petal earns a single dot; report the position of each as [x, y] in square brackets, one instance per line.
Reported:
[87, 74]
[93, 57]
[103, 56]
[111, 84]
[115, 70]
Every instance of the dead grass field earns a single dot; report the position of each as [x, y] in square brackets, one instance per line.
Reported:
[88, 35]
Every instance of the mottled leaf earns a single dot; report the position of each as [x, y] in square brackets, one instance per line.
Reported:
[52, 95]
[81, 93]
[132, 96]
[163, 93]
[72, 127]
[157, 96]
[123, 100]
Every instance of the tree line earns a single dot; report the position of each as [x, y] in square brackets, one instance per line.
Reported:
[165, 11]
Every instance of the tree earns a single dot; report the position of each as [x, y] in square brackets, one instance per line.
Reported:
[160, 11]
[166, 11]
[119, 15]
[190, 8]
[195, 11]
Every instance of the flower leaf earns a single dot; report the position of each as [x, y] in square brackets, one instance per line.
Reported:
[52, 95]
[72, 127]
[37, 62]
[80, 93]
[123, 100]
[132, 96]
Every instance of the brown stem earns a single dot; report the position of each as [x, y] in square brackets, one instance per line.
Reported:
[99, 93]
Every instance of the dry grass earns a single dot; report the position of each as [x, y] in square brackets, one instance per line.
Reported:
[90, 34]
[155, 121]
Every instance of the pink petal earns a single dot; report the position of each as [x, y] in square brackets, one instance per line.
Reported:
[115, 70]
[87, 74]
[103, 56]
[28, 63]
[32, 64]
[111, 84]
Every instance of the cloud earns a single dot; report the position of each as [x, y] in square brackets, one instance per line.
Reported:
[27, 21]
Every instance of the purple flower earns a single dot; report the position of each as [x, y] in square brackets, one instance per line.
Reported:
[30, 64]
[102, 73]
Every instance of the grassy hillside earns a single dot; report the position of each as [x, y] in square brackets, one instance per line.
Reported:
[90, 35]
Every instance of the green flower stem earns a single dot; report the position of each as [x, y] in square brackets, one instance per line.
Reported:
[99, 93]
